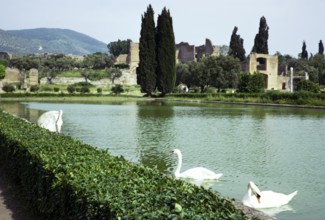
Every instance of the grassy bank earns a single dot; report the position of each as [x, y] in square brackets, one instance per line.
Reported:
[299, 99]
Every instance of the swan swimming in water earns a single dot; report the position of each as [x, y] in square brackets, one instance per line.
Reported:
[51, 120]
[198, 173]
[254, 198]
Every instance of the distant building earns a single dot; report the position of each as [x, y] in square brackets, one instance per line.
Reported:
[5, 55]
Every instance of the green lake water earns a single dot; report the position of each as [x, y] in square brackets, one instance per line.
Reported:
[280, 149]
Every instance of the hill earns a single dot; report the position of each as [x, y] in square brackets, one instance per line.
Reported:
[49, 40]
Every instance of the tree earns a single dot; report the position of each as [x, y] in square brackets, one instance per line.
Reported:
[183, 74]
[146, 72]
[243, 85]
[166, 56]
[114, 73]
[199, 77]
[2, 71]
[256, 83]
[119, 47]
[321, 47]
[236, 46]
[304, 53]
[261, 38]
[309, 86]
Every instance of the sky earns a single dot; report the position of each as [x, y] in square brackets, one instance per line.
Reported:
[290, 21]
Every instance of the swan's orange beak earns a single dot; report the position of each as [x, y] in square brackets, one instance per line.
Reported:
[258, 198]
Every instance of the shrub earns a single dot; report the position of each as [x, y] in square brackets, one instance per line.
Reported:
[8, 88]
[56, 89]
[117, 89]
[34, 88]
[309, 86]
[67, 179]
[84, 89]
[71, 88]
[99, 90]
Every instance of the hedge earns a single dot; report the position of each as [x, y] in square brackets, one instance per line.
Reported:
[67, 179]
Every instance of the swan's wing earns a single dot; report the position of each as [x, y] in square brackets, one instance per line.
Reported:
[274, 199]
[48, 120]
[200, 173]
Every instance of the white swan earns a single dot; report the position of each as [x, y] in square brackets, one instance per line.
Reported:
[254, 198]
[198, 173]
[51, 120]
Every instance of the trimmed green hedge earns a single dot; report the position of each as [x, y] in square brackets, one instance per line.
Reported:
[66, 179]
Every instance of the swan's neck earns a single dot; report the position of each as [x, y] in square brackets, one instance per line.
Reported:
[179, 164]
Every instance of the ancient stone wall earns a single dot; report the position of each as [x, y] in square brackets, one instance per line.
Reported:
[13, 76]
[185, 52]
[33, 77]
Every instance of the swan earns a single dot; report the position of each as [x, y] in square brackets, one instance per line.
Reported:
[254, 198]
[51, 120]
[198, 173]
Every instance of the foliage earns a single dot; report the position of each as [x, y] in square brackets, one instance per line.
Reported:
[236, 46]
[146, 71]
[251, 83]
[261, 38]
[71, 88]
[304, 53]
[8, 88]
[166, 56]
[119, 47]
[66, 179]
[183, 75]
[98, 61]
[34, 88]
[117, 89]
[321, 48]
[84, 89]
[2, 71]
[114, 73]
[309, 86]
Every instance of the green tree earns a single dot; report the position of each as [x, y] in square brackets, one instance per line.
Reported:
[243, 85]
[236, 46]
[321, 47]
[199, 76]
[183, 74]
[256, 83]
[114, 73]
[2, 71]
[119, 47]
[307, 85]
[98, 61]
[166, 56]
[146, 72]
[304, 53]
[261, 38]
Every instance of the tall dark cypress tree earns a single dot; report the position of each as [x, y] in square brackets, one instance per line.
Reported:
[261, 38]
[166, 56]
[236, 46]
[146, 72]
[321, 47]
[304, 53]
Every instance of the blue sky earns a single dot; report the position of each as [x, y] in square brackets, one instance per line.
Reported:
[291, 21]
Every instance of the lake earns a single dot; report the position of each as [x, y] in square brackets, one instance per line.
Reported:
[280, 149]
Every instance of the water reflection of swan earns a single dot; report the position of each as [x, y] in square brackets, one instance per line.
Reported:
[198, 173]
[266, 199]
[51, 120]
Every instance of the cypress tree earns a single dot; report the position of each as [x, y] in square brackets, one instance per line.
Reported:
[166, 56]
[321, 47]
[261, 38]
[146, 71]
[236, 46]
[304, 53]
